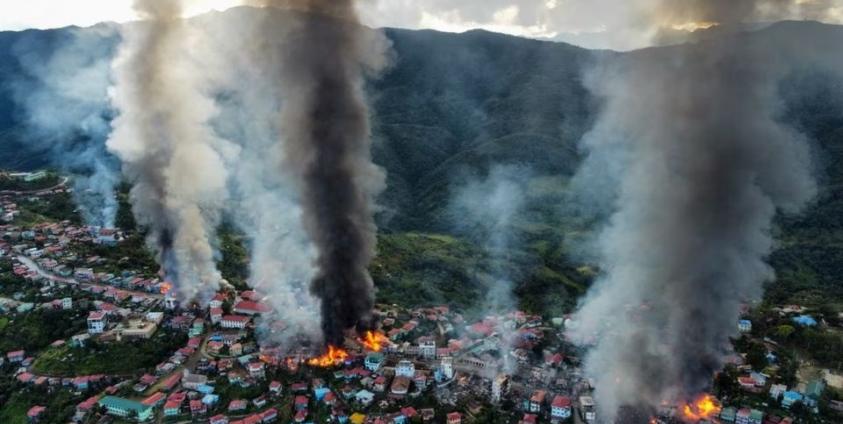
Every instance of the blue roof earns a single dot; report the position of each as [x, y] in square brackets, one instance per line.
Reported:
[792, 395]
[805, 320]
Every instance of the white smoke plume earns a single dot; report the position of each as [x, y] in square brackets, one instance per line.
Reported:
[264, 204]
[486, 209]
[170, 154]
[63, 98]
[691, 136]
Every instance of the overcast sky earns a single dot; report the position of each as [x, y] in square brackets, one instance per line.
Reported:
[594, 23]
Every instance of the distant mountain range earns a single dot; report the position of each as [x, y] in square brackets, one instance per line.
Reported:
[456, 105]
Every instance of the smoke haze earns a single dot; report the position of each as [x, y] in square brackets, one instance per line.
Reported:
[486, 210]
[169, 153]
[64, 100]
[702, 164]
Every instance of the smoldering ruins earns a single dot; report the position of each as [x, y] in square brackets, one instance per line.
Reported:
[703, 166]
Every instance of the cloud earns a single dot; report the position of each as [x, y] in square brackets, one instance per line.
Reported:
[616, 24]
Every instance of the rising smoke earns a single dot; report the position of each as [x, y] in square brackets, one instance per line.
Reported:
[486, 210]
[324, 121]
[64, 100]
[703, 165]
[170, 154]
[264, 203]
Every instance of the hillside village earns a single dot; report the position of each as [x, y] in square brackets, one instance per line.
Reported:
[127, 351]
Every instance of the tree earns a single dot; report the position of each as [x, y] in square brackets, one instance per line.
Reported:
[726, 383]
[756, 356]
[784, 331]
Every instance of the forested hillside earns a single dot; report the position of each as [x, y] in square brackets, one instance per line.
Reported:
[453, 107]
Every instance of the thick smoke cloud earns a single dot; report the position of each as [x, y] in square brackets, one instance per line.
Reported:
[264, 204]
[63, 99]
[691, 137]
[169, 152]
[324, 119]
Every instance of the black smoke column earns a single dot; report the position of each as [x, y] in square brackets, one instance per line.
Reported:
[326, 142]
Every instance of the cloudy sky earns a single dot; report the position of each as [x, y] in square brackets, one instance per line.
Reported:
[593, 23]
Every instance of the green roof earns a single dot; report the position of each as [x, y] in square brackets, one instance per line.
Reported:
[123, 403]
[756, 415]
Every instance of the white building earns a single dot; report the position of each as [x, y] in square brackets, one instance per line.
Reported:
[447, 366]
[405, 369]
[67, 303]
[427, 349]
[560, 407]
[96, 322]
[587, 409]
[234, 321]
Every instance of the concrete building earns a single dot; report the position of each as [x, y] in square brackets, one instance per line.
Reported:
[96, 322]
[234, 321]
[560, 408]
[427, 349]
[405, 369]
[588, 412]
[124, 408]
[447, 367]
[373, 361]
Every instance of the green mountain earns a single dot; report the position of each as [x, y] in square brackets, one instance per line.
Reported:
[453, 107]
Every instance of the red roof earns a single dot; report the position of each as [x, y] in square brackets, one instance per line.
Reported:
[301, 400]
[216, 311]
[171, 381]
[408, 412]
[88, 404]
[153, 399]
[250, 306]
[269, 413]
[172, 404]
[538, 396]
[35, 411]
[96, 315]
[561, 402]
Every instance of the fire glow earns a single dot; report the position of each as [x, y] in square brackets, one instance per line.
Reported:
[703, 408]
[166, 288]
[374, 341]
[332, 358]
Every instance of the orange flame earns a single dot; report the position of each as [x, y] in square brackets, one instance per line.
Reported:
[166, 287]
[703, 408]
[374, 341]
[333, 357]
